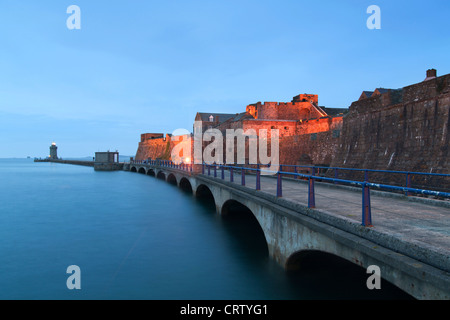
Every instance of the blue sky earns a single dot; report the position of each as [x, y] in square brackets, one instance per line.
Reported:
[148, 66]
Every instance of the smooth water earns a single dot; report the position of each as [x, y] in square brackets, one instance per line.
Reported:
[136, 237]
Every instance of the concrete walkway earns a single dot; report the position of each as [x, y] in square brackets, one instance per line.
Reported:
[413, 220]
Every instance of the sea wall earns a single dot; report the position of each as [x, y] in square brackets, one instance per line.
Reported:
[405, 129]
[160, 147]
[412, 135]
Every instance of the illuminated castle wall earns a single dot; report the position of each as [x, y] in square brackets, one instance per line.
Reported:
[394, 129]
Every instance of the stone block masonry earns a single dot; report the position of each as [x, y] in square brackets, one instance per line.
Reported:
[404, 129]
[410, 135]
[156, 146]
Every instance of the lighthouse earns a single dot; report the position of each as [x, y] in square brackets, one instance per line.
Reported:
[53, 152]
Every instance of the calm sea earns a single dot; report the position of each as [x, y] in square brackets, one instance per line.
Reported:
[136, 237]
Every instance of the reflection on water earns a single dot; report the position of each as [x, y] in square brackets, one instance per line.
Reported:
[136, 237]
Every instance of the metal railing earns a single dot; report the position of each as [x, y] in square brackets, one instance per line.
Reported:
[188, 167]
[312, 177]
[365, 185]
[408, 175]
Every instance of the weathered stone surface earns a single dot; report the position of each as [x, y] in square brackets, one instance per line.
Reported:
[405, 129]
[409, 136]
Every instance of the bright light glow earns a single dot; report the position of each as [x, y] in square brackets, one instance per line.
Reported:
[53, 144]
[188, 160]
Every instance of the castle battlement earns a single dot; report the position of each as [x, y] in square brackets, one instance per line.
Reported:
[381, 98]
[302, 107]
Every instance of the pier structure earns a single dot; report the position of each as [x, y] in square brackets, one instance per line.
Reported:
[405, 235]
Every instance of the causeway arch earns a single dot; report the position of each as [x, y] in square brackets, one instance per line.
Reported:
[291, 231]
[172, 179]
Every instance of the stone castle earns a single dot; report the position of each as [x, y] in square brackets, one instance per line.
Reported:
[404, 129]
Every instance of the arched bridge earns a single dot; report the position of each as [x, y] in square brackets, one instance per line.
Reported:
[409, 240]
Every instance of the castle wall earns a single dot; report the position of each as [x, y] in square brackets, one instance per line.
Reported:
[147, 136]
[409, 136]
[412, 136]
[160, 148]
[405, 130]
[283, 111]
[320, 125]
[157, 148]
[427, 90]
[286, 128]
[308, 149]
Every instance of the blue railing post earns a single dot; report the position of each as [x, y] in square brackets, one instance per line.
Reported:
[279, 185]
[223, 172]
[243, 176]
[336, 173]
[408, 184]
[311, 193]
[295, 171]
[209, 169]
[203, 168]
[231, 175]
[366, 176]
[258, 177]
[215, 170]
[366, 208]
